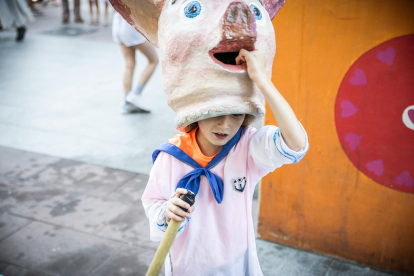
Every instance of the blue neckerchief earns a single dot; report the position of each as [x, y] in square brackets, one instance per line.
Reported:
[191, 181]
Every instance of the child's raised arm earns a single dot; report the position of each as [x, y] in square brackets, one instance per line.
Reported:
[287, 122]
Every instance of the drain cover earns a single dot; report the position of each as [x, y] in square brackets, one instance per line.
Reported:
[70, 31]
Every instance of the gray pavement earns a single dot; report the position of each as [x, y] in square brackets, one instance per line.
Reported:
[73, 168]
[64, 217]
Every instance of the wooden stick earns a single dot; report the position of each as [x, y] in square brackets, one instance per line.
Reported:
[168, 238]
[163, 248]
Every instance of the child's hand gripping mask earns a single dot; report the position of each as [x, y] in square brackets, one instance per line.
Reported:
[199, 41]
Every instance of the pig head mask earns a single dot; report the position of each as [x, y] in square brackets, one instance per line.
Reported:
[198, 42]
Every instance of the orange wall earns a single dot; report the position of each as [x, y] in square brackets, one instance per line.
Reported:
[324, 203]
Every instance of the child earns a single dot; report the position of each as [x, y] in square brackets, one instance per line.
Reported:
[131, 40]
[219, 239]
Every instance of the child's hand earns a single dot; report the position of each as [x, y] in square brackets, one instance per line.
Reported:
[173, 210]
[253, 62]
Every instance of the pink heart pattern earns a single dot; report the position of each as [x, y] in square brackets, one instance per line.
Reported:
[376, 166]
[348, 109]
[386, 56]
[358, 78]
[353, 140]
[405, 179]
[411, 115]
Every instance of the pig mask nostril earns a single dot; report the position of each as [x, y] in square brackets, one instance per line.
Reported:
[233, 15]
[245, 15]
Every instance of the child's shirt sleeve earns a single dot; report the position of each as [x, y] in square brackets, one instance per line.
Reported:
[156, 195]
[269, 151]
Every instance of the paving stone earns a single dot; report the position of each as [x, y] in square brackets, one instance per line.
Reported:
[3, 266]
[130, 261]
[303, 263]
[22, 165]
[9, 224]
[120, 216]
[11, 270]
[81, 177]
[343, 268]
[132, 191]
[81, 120]
[318, 267]
[56, 251]
[131, 226]
[73, 210]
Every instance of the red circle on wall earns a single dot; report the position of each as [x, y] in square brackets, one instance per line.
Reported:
[374, 113]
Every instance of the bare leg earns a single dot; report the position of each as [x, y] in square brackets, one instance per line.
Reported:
[106, 14]
[76, 10]
[149, 51]
[91, 12]
[129, 55]
[97, 12]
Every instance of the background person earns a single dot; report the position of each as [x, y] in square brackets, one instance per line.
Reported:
[76, 11]
[15, 14]
[130, 41]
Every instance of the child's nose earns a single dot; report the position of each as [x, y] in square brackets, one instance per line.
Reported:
[225, 121]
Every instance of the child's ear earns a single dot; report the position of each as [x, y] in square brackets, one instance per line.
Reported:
[142, 15]
[273, 7]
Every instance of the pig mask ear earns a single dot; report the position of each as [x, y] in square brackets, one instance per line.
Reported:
[273, 6]
[142, 15]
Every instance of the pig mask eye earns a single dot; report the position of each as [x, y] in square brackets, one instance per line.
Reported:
[256, 11]
[192, 9]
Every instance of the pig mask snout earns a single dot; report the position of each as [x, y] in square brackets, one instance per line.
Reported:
[238, 32]
[239, 22]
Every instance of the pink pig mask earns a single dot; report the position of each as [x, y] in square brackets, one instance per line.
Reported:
[198, 42]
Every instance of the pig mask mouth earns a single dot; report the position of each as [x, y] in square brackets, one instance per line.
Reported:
[225, 53]
[238, 26]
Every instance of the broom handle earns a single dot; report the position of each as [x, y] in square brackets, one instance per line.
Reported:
[163, 248]
[168, 238]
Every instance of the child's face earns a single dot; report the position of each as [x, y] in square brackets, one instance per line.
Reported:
[219, 130]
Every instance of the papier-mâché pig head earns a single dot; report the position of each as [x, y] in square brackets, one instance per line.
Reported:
[198, 42]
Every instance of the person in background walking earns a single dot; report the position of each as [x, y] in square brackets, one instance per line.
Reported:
[15, 14]
[76, 11]
[130, 41]
[91, 3]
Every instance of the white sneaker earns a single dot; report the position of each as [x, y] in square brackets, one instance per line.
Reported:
[129, 108]
[138, 101]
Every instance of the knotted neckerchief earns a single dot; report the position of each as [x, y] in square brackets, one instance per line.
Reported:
[191, 181]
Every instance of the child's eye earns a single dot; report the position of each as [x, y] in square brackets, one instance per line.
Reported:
[237, 115]
[192, 9]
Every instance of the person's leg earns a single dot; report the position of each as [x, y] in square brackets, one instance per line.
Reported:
[65, 9]
[149, 52]
[76, 10]
[91, 12]
[20, 33]
[129, 55]
[106, 14]
[97, 12]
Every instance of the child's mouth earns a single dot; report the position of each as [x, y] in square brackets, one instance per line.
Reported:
[220, 135]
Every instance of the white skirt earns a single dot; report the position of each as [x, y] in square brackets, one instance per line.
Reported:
[14, 13]
[124, 33]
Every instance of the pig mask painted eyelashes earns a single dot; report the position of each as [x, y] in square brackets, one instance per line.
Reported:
[198, 42]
